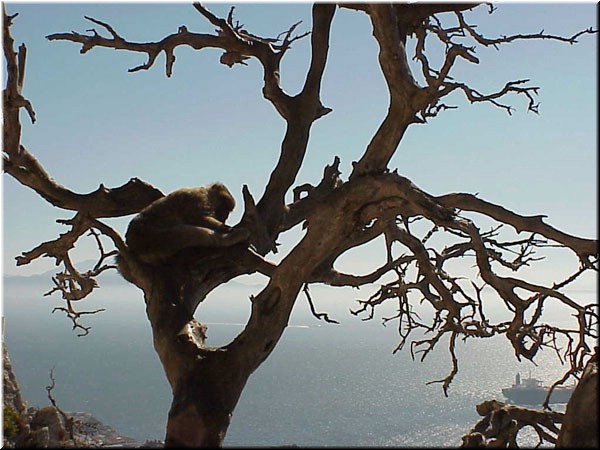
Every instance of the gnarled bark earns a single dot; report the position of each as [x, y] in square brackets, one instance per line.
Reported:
[580, 425]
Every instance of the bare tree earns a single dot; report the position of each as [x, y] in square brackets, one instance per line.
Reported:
[336, 215]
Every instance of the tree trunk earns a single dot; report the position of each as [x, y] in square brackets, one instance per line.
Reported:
[580, 426]
[204, 389]
[206, 382]
[203, 404]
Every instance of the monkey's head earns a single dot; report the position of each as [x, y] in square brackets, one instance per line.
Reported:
[221, 200]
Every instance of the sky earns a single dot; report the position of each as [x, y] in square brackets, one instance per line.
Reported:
[97, 123]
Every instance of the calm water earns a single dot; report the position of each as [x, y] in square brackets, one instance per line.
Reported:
[324, 385]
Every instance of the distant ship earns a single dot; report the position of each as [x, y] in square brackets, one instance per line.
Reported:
[530, 391]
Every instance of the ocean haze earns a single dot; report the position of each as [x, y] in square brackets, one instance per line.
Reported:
[324, 384]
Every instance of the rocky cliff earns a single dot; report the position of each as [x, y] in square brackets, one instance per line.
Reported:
[48, 427]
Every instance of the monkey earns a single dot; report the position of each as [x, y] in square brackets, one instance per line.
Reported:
[187, 217]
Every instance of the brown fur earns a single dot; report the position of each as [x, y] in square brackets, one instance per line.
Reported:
[187, 217]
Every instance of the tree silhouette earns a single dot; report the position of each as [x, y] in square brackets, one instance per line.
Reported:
[337, 215]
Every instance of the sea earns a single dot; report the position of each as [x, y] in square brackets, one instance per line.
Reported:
[324, 385]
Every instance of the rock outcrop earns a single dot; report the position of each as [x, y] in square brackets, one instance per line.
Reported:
[10, 388]
[48, 427]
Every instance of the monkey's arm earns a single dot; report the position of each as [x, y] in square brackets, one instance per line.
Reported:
[156, 244]
[213, 224]
[194, 236]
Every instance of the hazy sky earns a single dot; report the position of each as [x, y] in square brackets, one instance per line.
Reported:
[97, 123]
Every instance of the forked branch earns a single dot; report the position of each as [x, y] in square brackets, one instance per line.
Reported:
[238, 46]
[394, 26]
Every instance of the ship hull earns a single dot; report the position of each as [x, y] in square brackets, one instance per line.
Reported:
[527, 396]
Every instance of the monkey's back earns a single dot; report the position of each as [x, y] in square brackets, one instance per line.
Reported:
[183, 206]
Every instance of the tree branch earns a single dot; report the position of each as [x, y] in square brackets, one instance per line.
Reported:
[319, 316]
[584, 248]
[403, 89]
[501, 424]
[127, 199]
[306, 108]
[454, 39]
[238, 45]
[13, 100]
